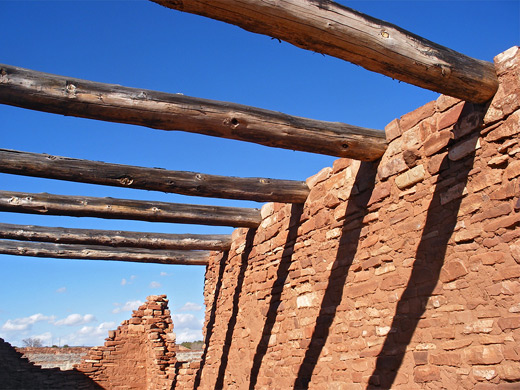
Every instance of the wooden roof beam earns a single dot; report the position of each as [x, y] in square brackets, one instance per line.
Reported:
[112, 238]
[330, 28]
[155, 179]
[63, 95]
[110, 208]
[93, 252]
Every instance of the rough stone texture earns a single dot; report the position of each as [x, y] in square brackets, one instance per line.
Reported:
[140, 354]
[399, 274]
[17, 372]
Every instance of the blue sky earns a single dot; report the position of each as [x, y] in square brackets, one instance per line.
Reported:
[140, 44]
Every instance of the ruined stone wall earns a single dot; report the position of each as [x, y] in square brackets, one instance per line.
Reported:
[140, 354]
[17, 372]
[402, 273]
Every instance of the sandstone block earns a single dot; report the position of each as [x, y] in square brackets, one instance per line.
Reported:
[484, 355]
[507, 60]
[508, 129]
[471, 120]
[509, 371]
[480, 326]
[437, 163]
[467, 234]
[411, 177]
[392, 167]
[450, 117]
[427, 373]
[484, 180]
[452, 270]
[456, 344]
[444, 102]
[454, 192]
[393, 130]
[446, 359]
[509, 323]
[483, 373]
[513, 170]
[340, 164]
[502, 222]
[420, 357]
[464, 148]
[409, 120]
[437, 141]
[379, 193]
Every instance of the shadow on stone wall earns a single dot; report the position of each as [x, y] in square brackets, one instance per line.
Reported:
[16, 372]
[211, 321]
[276, 292]
[429, 259]
[219, 383]
[351, 230]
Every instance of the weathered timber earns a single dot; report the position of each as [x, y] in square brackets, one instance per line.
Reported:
[330, 28]
[93, 252]
[62, 95]
[110, 208]
[186, 183]
[59, 235]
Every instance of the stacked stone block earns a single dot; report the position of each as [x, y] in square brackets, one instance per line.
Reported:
[403, 273]
[140, 354]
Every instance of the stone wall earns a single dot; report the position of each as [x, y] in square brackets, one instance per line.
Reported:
[140, 354]
[17, 372]
[402, 273]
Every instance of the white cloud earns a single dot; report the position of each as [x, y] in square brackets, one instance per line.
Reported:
[155, 284]
[76, 319]
[124, 281]
[188, 335]
[61, 290]
[190, 306]
[25, 323]
[164, 274]
[45, 338]
[186, 320]
[89, 335]
[128, 306]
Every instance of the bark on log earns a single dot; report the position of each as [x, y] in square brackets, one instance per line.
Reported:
[330, 28]
[155, 179]
[58, 235]
[93, 252]
[110, 208]
[62, 95]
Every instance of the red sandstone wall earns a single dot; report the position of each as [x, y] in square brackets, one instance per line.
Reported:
[402, 273]
[140, 354]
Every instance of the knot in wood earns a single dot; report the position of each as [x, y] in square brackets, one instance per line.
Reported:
[385, 34]
[71, 88]
[126, 181]
[445, 71]
[232, 122]
[3, 75]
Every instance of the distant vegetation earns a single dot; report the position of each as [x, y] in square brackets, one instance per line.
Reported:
[32, 342]
[195, 345]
